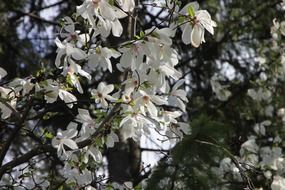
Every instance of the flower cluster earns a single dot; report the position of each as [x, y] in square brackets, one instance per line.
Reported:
[150, 95]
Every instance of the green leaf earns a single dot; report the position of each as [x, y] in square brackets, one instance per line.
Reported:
[48, 135]
[142, 34]
[191, 11]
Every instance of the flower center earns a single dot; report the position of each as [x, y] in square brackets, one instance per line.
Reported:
[135, 83]
[146, 99]
[100, 95]
[96, 2]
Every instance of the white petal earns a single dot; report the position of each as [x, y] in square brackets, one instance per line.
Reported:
[109, 88]
[178, 84]
[70, 143]
[95, 154]
[186, 35]
[110, 141]
[197, 35]
[151, 108]
[67, 97]
[3, 73]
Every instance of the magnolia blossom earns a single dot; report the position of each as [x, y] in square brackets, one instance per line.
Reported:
[112, 138]
[67, 51]
[65, 138]
[9, 96]
[177, 96]
[100, 57]
[106, 14]
[53, 91]
[72, 71]
[145, 101]
[132, 56]
[94, 153]
[101, 94]
[71, 35]
[134, 124]
[22, 85]
[127, 5]
[193, 32]
[278, 183]
[88, 124]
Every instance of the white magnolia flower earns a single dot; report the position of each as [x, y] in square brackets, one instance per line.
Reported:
[66, 51]
[3, 73]
[132, 56]
[65, 138]
[127, 5]
[72, 71]
[278, 183]
[146, 102]
[134, 124]
[94, 153]
[88, 124]
[99, 8]
[53, 91]
[177, 97]
[106, 16]
[177, 130]
[24, 85]
[101, 94]
[67, 97]
[112, 138]
[71, 35]
[159, 72]
[100, 57]
[193, 32]
[9, 96]
[161, 36]
[85, 118]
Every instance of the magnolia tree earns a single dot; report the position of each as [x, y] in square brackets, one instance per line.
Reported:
[262, 152]
[149, 97]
